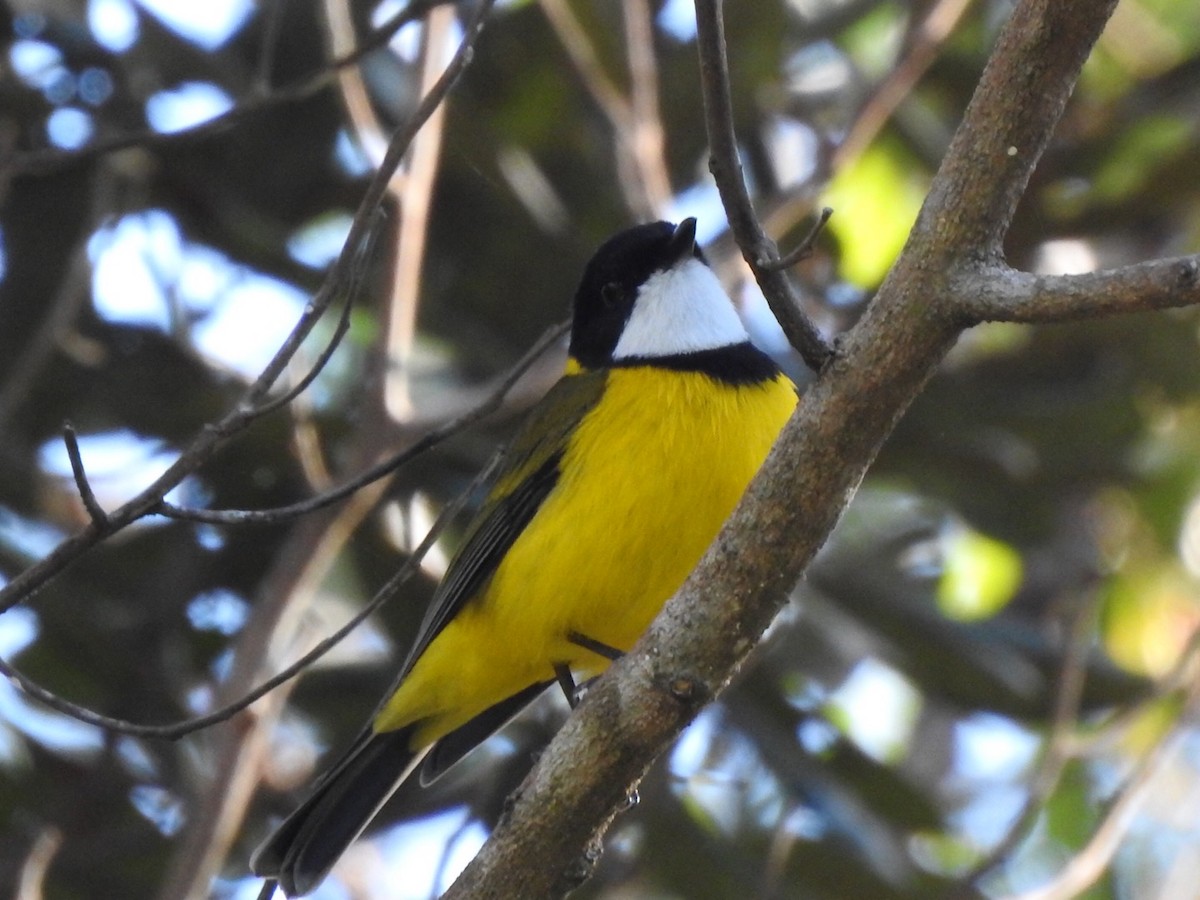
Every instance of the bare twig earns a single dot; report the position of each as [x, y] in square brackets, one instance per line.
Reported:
[37, 864]
[356, 275]
[757, 248]
[250, 408]
[414, 198]
[927, 40]
[555, 822]
[1055, 754]
[1086, 866]
[176, 730]
[382, 469]
[40, 162]
[804, 249]
[95, 511]
[635, 121]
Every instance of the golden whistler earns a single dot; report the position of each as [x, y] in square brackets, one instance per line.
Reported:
[605, 501]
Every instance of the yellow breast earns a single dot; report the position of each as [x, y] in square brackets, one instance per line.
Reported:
[647, 479]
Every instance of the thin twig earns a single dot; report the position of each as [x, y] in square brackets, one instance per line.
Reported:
[647, 138]
[95, 511]
[176, 730]
[41, 162]
[37, 864]
[414, 197]
[272, 28]
[757, 248]
[927, 40]
[213, 436]
[1181, 676]
[643, 175]
[426, 442]
[1086, 866]
[804, 249]
[1055, 754]
[356, 277]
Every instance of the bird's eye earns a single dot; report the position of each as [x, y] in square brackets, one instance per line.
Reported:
[611, 294]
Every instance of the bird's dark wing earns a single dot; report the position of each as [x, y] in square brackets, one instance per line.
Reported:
[302, 850]
[528, 474]
[458, 743]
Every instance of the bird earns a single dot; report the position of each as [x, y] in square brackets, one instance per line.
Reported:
[604, 502]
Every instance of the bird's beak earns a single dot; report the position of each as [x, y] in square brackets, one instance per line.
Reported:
[683, 242]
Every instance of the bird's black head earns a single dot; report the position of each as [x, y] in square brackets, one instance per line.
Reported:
[606, 294]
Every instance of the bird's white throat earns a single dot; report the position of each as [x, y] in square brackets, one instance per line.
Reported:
[683, 309]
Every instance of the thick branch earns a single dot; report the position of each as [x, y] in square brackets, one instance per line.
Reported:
[1005, 295]
[1008, 124]
[550, 839]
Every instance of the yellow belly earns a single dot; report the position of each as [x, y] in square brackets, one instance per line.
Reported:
[648, 478]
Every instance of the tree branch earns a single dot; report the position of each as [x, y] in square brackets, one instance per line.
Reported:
[550, 839]
[41, 162]
[255, 400]
[425, 443]
[1006, 295]
[175, 730]
[759, 251]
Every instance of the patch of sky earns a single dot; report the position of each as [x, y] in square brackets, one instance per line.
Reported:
[318, 242]
[69, 127]
[250, 321]
[678, 19]
[691, 750]
[718, 784]
[119, 464]
[186, 105]
[793, 148]
[819, 68]
[145, 273]
[992, 747]
[3, 255]
[114, 23]
[816, 735]
[18, 629]
[158, 806]
[989, 813]
[209, 537]
[877, 709]
[421, 858]
[131, 260]
[349, 155]
[27, 537]
[222, 665]
[58, 733]
[135, 758]
[405, 43]
[702, 201]
[208, 24]
[36, 63]
[220, 610]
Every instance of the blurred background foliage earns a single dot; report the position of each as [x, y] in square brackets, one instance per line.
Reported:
[1033, 523]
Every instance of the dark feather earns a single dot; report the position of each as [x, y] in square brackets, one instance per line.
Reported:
[304, 848]
[458, 743]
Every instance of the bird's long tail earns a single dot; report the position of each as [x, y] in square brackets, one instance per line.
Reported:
[304, 848]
